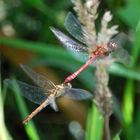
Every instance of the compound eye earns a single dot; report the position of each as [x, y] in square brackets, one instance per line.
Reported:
[68, 84]
[112, 46]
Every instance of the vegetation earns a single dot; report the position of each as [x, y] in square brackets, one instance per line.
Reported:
[25, 37]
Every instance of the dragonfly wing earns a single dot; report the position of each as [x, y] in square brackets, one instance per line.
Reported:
[77, 94]
[123, 43]
[121, 55]
[39, 79]
[32, 93]
[53, 103]
[74, 27]
[81, 56]
[78, 50]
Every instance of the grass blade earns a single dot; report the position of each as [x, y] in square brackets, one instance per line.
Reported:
[55, 53]
[117, 137]
[30, 127]
[128, 101]
[4, 135]
[95, 124]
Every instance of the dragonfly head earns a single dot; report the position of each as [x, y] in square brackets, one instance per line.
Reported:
[111, 46]
[67, 85]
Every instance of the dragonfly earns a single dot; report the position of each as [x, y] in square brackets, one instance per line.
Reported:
[80, 48]
[46, 91]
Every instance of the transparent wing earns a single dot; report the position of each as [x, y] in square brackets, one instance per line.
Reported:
[32, 93]
[74, 27]
[121, 53]
[77, 94]
[79, 50]
[39, 79]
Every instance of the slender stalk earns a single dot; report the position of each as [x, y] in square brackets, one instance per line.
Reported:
[107, 129]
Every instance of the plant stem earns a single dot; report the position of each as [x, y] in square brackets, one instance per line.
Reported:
[107, 129]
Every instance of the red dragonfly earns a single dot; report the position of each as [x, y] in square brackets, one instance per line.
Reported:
[46, 92]
[80, 49]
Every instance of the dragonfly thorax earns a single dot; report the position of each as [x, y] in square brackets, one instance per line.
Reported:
[60, 88]
[66, 85]
[101, 51]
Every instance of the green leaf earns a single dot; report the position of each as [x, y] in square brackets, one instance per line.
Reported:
[30, 127]
[120, 70]
[136, 49]
[117, 136]
[57, 54]
[128, 101]
[95, 124]
[132, 9]
[4, 134]
[128, 106]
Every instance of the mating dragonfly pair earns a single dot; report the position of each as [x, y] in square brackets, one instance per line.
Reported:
[47, 91]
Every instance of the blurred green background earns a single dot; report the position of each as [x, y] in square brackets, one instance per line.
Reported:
[25, 37]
